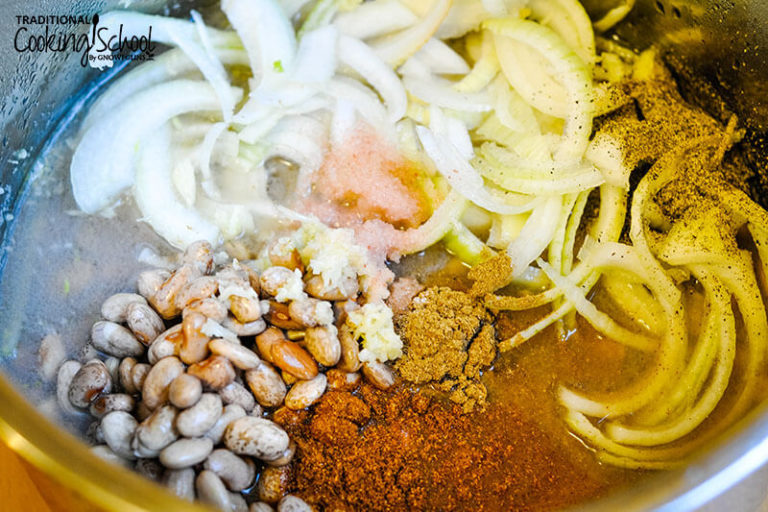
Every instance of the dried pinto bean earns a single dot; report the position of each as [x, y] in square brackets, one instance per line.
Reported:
[316, 287]
[124, 375]
[257, 437]
[311, 312]
[118, 428]
[194, 343]
[245, 309]
[230, 414]
[350, 350]
[145, 324]
[164, 300]
[67, 372]
[280, 316]
[167, 344]
[266, 385]
[293, 504]
[91, 380]
[199, 254]
[186, 453]
[289, 356]
[50, 356]
[115, 340]
[273, 483]
[286, 457]
[198, 419]
[149, 282]
[199, 289]
[323, 343]
[215, 372]
[181, 482]
[235, 393]
[379, 374]
[105, 404]
[266, 340]
[241, 329]
[185, 391]
[306, 392]
[115, 307]
[159, 429]
[236, 472]
[238, 355]
[211, 490]
[212, 308]
[158, 380]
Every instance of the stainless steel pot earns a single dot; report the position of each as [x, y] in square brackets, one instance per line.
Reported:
[718, 49]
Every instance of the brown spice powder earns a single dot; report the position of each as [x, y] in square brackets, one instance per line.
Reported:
[448, 339]
[396, 451]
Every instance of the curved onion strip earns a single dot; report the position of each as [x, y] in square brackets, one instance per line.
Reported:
[441, 59]
[266, 33]
[483, 71]
[375, 18]
[671, 351]
[462, 243]
[513, 111]
[571, 22]
[717, 345]
[396, 48]
[202, 54]
[102, 164]
[434, 229]
[443, 95]
[614, 16]
[463, 178]
[599, 320]
[360, 57]
[536, 235]
[365, 101]
[166, 66]
[526, 181]
[156, 199]
[316, 56]
[555, 249]
[574, 221]
[205, 151]
[567, 67]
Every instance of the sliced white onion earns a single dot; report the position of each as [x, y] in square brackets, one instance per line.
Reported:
[465, 179]
[441, 94]
[155, 197]
[266, 33]
[441, 59]
[292, 7]
[102, 164]
[316, 56]
[396, 48]
[205, 151]
[535, 236]
[361, 58]
[366, 103]
[167, 66]
[375, 18]
[200, 50]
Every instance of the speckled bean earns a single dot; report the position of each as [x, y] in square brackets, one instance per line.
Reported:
[118, 429]
[194, 343]
[90, 381]
[199, 254]
[159, 378]
[236, 472]
[106, 404]
[286, 457]
[257, 437]
[158, 430]
[198, 289]
[166, 344]
[323, 343]
[139, 373]
[198, 419]
[266, 385]
[67, 372]
[230, 414]
[235, 393]
[379, 374]
[350, 350]
[115, 340]
[115, 307]
[306, 392]
[185, 391]
[211, 490]
[124, 375]
[273, 483]
[311, 312]
[181, 482]
[186, 453]
[241, 357]
[50, 356]
[150, 281]
[144, 322]
[215, 372]
[293, 504]
[211, 308]
[241, 329]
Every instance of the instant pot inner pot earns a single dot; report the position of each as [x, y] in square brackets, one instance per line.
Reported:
[55, 269]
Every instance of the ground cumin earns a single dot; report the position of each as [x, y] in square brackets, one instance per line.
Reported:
[448, 338]
[396, 451]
